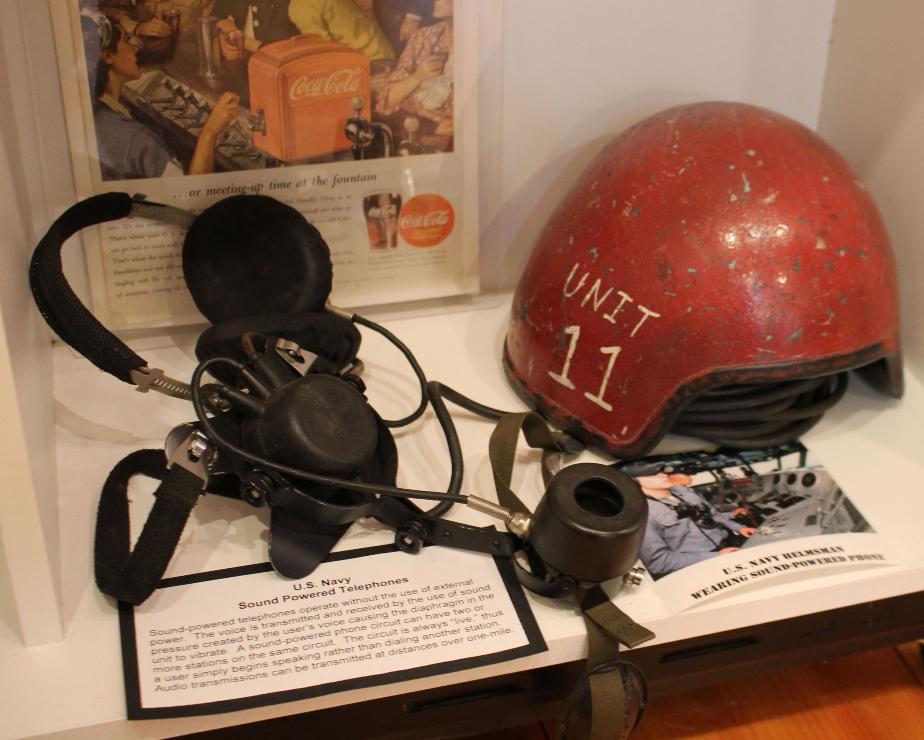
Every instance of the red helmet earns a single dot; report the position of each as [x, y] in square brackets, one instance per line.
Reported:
[716, 270]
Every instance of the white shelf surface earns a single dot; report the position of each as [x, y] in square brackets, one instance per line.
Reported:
[74, 688]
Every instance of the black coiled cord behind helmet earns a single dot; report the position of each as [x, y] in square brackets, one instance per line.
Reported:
[760, 414]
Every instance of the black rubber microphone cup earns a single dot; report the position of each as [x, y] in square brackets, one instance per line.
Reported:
[590, 523]
[319, 423]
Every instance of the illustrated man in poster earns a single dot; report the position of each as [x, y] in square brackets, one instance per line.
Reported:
[150, 18]
[683, 529]
[259, 22]
[343, 21]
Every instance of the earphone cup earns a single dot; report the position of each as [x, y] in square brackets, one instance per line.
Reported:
[251, 255]
[326, 334]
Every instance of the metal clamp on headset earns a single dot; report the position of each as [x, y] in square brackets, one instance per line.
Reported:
[284, 423]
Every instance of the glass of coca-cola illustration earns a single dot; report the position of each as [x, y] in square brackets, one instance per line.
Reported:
[381, 212]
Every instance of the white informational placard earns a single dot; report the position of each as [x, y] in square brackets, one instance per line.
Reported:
[244, 637]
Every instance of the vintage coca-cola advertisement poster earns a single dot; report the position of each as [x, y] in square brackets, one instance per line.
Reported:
[344, 109]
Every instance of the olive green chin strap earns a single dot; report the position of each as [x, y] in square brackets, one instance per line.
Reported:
[609, 699]
[616, 688]
[502, 450]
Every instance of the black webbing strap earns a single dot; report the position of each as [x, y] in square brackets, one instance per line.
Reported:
[608, 700]
[128, 574]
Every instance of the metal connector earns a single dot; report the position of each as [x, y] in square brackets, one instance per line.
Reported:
[341, 312]
[634, 576]
[294, 356]
[516, 522]
[191, 450]
[152, 378]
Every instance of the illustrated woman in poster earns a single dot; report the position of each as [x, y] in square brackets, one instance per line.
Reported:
[421, 83]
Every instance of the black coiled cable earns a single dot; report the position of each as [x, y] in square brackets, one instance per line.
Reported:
[415, 366]
[760, 414]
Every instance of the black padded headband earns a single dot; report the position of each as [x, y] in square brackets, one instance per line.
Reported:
[58, 303]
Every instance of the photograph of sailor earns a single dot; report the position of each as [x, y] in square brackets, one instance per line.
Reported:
[683, 528]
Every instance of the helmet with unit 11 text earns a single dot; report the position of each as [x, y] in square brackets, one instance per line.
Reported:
[715, 272]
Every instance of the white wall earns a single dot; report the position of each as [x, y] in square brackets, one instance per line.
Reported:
[576, 73]
[873, 112]
[28, 510]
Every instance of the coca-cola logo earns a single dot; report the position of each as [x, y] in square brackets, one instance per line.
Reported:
[432, 218]
[338, 82]
[383, 211]
[426, 220]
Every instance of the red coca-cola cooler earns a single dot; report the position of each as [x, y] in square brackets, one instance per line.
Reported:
[302, 90]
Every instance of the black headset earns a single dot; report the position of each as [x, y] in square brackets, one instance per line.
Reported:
[287, 424]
